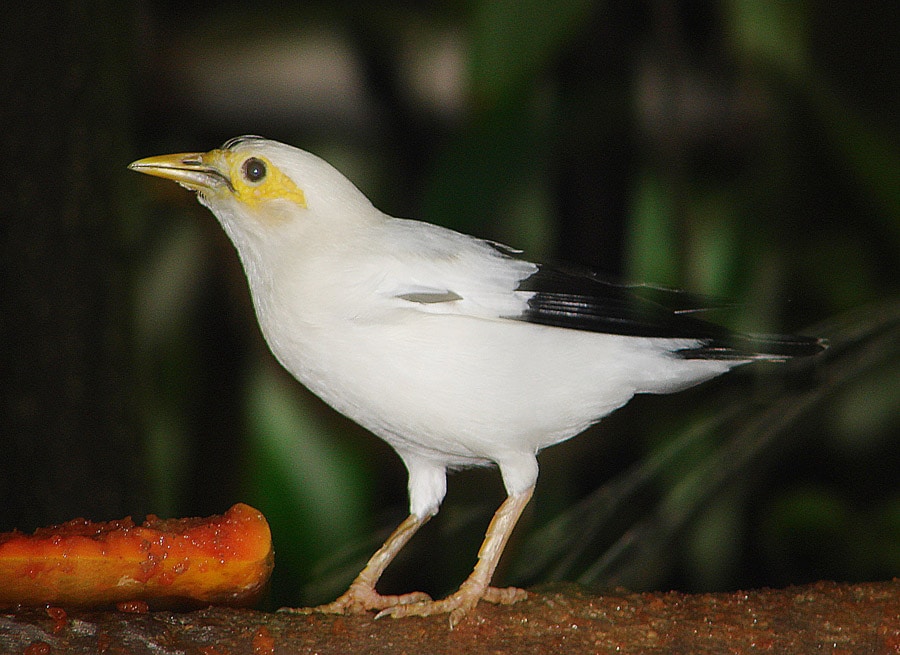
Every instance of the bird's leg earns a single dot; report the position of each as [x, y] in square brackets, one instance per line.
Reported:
[361, 595]
[477, 585]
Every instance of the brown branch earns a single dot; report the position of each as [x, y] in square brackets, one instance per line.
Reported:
[823, 617]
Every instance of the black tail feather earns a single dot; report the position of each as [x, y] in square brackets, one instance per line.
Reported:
[756, 346]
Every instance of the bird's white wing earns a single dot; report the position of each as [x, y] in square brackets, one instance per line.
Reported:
[438, 271]
[441, 271]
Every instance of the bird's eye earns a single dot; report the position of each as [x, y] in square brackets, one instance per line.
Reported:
[254, 169]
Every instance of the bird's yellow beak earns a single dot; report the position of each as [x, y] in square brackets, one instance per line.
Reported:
[198, 171]
[222, 170]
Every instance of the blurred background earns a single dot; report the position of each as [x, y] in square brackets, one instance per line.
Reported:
[741, 149]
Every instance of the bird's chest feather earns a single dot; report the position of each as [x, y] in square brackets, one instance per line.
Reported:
[454, 386]
[326, 326]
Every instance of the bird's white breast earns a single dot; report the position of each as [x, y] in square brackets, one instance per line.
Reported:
[468, 389]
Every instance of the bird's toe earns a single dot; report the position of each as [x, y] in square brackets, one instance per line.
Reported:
[504, 595]
[358, 600]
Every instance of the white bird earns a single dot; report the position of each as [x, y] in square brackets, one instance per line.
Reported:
[450, 348]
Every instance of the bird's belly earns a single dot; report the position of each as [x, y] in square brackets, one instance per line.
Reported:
[469, 391]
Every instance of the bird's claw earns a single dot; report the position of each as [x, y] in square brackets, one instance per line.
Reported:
[504, 595]
[357, 600]
[456, 605]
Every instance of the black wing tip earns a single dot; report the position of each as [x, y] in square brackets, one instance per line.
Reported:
[582, 300]
[749, 347]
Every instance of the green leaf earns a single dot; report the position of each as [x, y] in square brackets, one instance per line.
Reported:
[311, 490]
[771, 33]
[471, 181]
[513, 42]
[652, 238]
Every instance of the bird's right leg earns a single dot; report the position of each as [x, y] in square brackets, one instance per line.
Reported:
[361, 596]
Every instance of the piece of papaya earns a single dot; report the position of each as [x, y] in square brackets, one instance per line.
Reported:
[223, 559]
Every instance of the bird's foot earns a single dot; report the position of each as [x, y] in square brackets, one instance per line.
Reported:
[457, 604]
[358, 599]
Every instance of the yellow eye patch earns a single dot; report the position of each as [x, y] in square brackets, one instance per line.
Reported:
[255, 180]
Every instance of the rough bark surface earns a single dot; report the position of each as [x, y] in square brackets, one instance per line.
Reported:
[823, 617]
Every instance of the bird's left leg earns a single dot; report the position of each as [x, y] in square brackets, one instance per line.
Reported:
[477, 585]
[361, 594]
[427, 486]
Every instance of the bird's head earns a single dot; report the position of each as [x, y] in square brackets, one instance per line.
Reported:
[258, 188]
